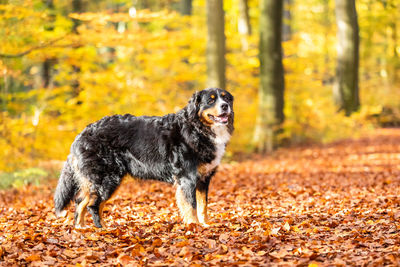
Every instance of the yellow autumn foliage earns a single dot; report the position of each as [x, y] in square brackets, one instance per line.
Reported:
[151, 62]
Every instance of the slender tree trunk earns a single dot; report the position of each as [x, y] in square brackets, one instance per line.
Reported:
[346, 85]
[215, 44]
[186, 7]
[393, 40]
[75, 85]
[4, 93]
[48, 63]
[287, 18]
[144, 4]
[244, 26]
[47, 67]
[396, 56]
[326, 75]
[271, 91]
[76, 8]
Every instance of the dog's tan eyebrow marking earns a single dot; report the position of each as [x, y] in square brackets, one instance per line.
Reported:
[212, 96]
[223, 94]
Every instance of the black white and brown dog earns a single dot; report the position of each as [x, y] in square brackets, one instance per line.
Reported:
[183, 149]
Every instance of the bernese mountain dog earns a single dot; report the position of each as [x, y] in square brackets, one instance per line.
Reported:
[183, 149]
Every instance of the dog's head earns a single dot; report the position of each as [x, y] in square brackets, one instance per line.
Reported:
[213, 106]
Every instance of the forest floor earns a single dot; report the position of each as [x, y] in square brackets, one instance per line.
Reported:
[336, 204]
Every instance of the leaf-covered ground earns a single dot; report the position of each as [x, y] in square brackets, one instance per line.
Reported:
[327, 205]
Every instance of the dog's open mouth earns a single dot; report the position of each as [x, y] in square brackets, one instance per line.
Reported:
[223, 118]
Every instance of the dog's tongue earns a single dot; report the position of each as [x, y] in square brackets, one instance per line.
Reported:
[222, 118]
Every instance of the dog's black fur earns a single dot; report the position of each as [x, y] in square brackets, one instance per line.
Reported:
[183, 148]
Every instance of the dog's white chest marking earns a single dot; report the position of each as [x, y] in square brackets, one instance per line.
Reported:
[222, 137]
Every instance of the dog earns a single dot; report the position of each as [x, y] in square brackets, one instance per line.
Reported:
[182, 148]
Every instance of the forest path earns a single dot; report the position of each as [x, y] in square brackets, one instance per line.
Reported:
[329, 204]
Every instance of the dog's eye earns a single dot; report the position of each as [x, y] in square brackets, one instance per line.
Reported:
[227, 98]
[211, 100]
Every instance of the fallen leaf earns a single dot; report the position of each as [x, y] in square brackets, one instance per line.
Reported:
[124, 259]
[69, 253]
[157, 242]
[224, 238]
[182, 243]
[286, 227]
[33, 257]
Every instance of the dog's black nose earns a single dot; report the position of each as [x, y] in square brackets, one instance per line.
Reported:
[224, 107]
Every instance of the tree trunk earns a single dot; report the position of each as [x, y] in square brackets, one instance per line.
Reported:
[395, 54]
[327, 76]
[48, 63]
[346, 85]
[144, 4]
[186, 7]
[215, 44]
[75, 84]
[244, 26]
[47, 70]
[393, 40]
[287, 18]
[271, 102]
[76, 8]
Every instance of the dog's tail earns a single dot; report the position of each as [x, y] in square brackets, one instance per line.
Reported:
[65, 191]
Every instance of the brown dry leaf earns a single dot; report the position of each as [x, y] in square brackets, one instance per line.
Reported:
[39, 246]
[185, 252]
[279, 254]
[69, 253]
[124, 259]
[211, 243]
[224, 238]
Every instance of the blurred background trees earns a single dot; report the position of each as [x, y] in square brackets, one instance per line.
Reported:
[64, 64]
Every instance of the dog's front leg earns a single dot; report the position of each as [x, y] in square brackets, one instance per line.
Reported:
[186, 200]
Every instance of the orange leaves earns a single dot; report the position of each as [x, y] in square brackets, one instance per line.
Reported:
[157, 242]
[33, 257]
[316, 206]
[124, 259]
[181, 244]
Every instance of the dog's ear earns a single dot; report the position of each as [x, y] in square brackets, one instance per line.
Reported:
[195, 98]
[194, 104]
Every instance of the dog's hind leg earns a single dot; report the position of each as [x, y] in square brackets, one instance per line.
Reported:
[80, 209]
[98, 200]
[186, 200]
[96, 209]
